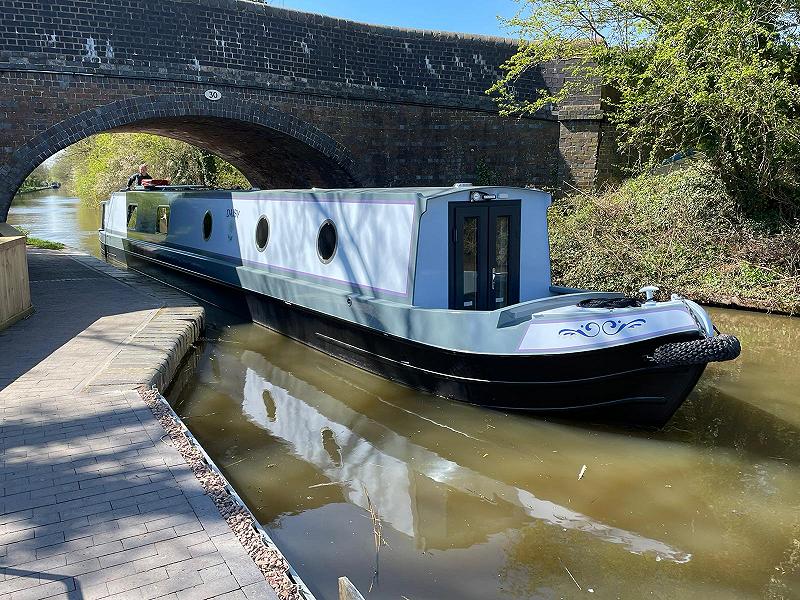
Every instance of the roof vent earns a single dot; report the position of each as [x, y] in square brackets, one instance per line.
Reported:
[462, 185]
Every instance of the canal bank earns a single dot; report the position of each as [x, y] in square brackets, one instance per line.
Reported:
[95, 500]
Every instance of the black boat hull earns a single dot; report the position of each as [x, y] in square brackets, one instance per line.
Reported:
[643, 395]
[616, 385]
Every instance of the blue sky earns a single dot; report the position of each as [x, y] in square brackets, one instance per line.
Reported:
[468, 16]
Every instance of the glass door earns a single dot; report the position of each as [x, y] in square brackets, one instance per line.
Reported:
[468, 258]
[484, 255]
[503, 258]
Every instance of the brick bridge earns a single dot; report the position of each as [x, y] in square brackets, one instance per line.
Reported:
[306, 100]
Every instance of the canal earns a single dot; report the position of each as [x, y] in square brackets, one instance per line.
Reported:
[482, 504]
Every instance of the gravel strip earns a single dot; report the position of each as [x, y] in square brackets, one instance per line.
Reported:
[272, 565]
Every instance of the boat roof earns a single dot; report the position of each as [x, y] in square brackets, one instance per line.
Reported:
[424, 192]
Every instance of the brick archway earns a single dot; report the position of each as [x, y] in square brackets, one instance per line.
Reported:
[272, 148]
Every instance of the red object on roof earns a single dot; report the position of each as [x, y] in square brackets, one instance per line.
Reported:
[154, 182]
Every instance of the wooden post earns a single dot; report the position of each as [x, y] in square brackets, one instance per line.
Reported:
[15, 293]
[347, 591]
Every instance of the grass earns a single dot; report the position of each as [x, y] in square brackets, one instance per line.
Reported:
[40, 243]
[44, 244]
[679, 231]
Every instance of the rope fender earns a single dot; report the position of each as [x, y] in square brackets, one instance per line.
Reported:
[713, 349]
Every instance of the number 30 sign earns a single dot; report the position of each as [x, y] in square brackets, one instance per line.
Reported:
[213, 94]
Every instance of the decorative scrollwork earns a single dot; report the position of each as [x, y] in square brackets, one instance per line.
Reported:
[590, 329]
[610, 327]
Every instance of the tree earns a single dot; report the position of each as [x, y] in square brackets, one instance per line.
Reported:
[715, 76]
[40, 177]
[96, 166]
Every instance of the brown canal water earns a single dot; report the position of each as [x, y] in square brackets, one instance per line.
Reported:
[55, 215]
[478, 504]
[483, 504]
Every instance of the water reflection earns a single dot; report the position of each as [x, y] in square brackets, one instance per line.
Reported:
[317, 427]
[483, 504]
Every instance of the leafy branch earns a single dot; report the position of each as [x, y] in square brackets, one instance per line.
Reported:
[715, 76]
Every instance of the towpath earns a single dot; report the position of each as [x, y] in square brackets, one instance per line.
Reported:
[95, 503]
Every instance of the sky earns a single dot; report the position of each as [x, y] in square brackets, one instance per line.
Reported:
[465, 16]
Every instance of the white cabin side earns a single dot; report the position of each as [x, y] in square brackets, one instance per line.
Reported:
[395, 244]
[373, 233]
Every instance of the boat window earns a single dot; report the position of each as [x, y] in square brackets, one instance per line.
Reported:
[327, 241]
[502, 249]
[470, 262]
[162, 219]
[132, 210]
[207, 223]
[102, 215]
[262, 233]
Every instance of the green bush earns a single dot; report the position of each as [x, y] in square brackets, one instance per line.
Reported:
[39, 178]
[682, 232]
[717, 76]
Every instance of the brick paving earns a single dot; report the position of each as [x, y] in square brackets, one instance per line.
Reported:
[95, 502]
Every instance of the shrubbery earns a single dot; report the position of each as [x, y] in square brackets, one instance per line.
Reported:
[717, 76]
[39, 178]
[681, 231]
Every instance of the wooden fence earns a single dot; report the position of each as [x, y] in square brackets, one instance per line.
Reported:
[15, 291]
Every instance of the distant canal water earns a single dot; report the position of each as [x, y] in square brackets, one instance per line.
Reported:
[479, 504]
[54, 215]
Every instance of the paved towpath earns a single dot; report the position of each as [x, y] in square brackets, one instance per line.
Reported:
[94, 502]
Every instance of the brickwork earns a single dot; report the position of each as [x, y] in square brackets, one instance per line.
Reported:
[307, 99]
[242, 42]
[577, 140]
[611, 163]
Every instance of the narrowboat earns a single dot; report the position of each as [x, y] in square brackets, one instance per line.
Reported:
[446, 290]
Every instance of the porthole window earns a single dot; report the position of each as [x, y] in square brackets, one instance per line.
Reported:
[262, 233]
[327, 241]
[207, 223]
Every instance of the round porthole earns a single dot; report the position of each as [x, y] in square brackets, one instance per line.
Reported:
[327, 241]
[207, 223]
[262, 233]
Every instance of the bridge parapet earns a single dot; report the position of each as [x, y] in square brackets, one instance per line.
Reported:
[238, 41]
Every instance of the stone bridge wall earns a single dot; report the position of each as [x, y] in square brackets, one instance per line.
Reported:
[407, 107]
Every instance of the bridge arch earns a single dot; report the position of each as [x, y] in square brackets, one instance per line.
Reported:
[273, 149]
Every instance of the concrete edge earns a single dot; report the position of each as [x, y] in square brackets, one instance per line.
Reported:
[258, 544]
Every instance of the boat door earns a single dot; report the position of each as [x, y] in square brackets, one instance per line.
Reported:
[484, 254]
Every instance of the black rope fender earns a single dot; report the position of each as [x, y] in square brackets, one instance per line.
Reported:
[697, 352]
